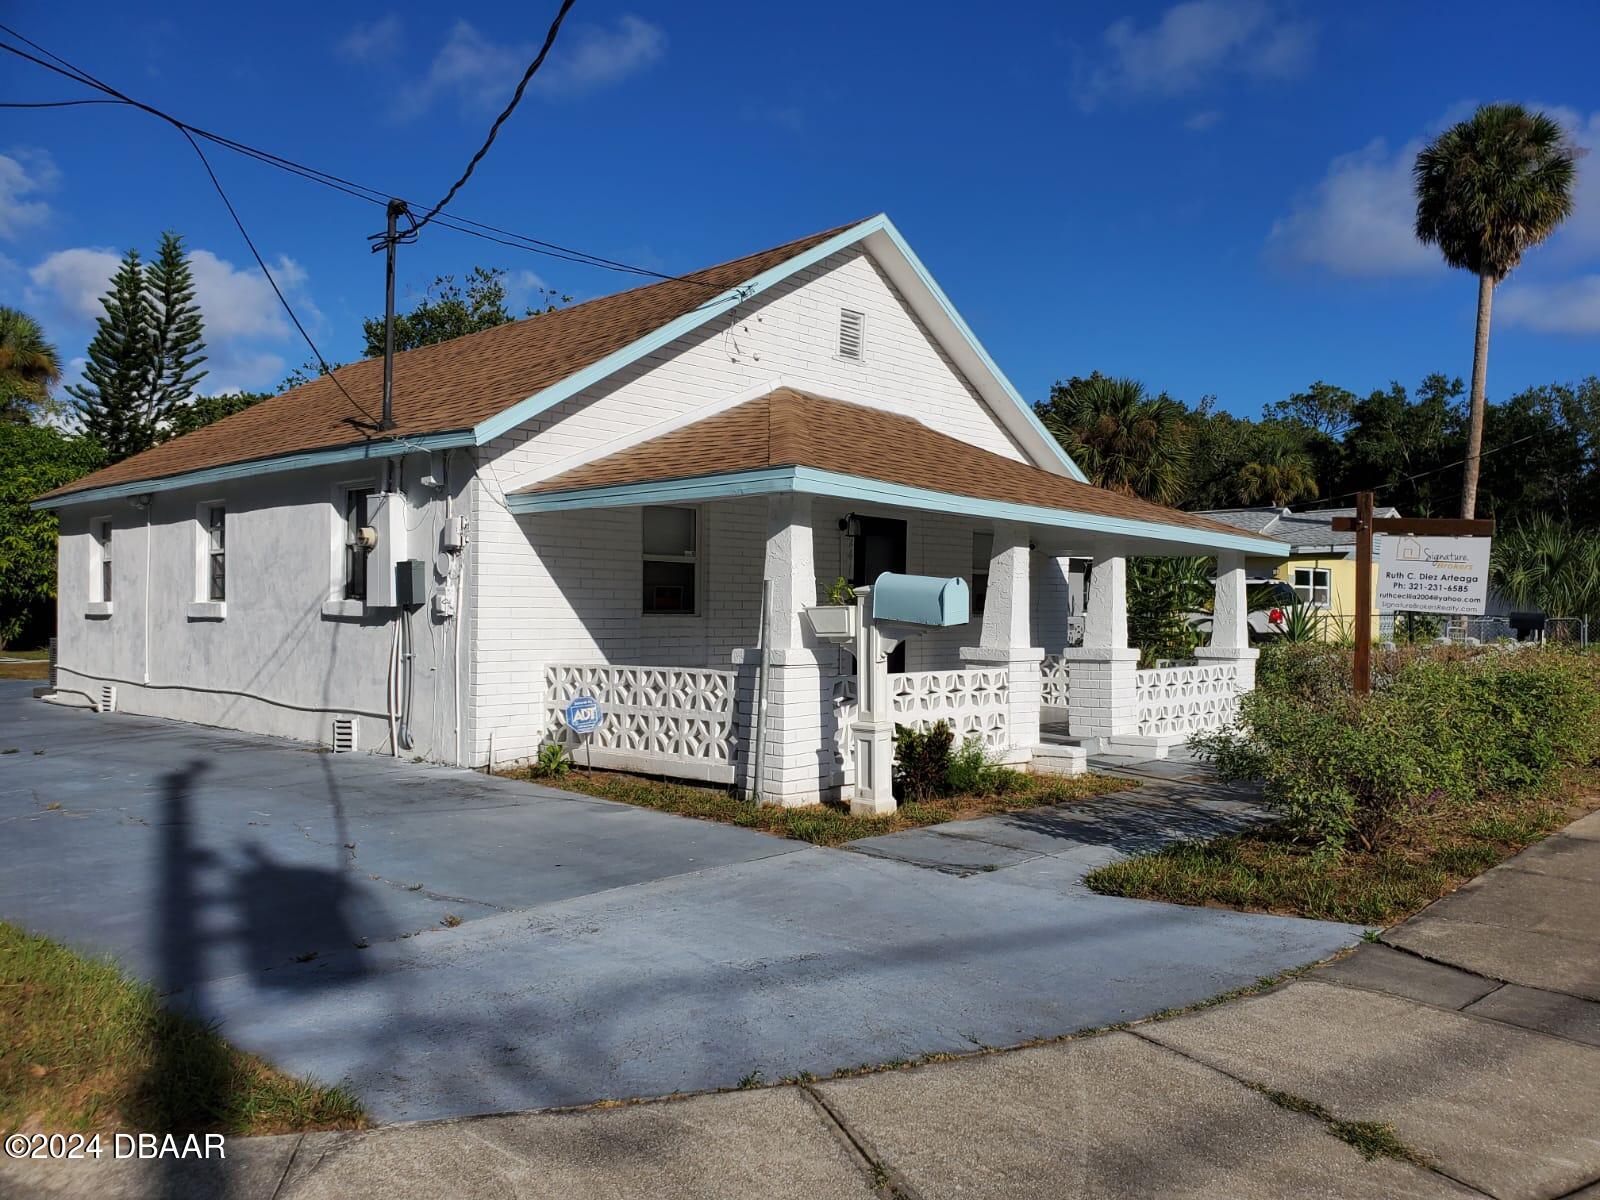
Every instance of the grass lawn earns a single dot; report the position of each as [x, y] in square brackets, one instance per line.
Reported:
[1265, 871]
[83, 1048]
[35, 664]
[824, 824]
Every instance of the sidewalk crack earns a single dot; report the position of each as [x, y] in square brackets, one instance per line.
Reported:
[886, 1181]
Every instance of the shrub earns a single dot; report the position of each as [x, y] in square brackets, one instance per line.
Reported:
[552, 761]
[1440, 728]
[922, 761]
[974, 772]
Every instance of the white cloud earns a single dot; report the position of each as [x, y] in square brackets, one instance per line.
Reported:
[1360, 219]
[74, 280]
[24, 174]
[237, 304]
[480, 74]
[597, 57]
[1192, 44]
[373, 42]
[1569, 306]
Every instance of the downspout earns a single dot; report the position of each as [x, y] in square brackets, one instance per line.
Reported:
[149, 503]
[763, 624]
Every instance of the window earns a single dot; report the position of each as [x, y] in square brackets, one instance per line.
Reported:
[102, 545]
[1313, 585]
[982, 552]
[216, 565]
[670, 560]
[852, 334]
[357, 502]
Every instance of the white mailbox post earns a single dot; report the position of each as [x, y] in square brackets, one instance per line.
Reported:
[894, 608]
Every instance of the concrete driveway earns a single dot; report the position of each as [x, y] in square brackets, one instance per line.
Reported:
[308, 903]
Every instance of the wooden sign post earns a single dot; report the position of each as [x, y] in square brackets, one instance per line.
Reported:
[1364, 525]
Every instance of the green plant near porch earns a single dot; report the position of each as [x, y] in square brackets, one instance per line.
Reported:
[1162, 592]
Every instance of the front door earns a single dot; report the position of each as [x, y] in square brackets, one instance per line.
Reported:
[880, 547]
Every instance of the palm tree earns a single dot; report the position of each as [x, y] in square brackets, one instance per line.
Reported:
[1277, 472]
[28, 365]
[1121, 436]
[1546, 564]
[1489, 189]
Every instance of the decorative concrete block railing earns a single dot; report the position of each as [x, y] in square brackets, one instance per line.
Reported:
[1187, 700]
[975, 703]
[1055, 681]
[666, 720]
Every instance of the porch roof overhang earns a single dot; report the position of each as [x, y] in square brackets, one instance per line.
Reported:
[791, 441]
[1154, 537]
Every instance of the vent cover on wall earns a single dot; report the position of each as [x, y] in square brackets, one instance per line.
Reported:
[346, 731]
[108, 697]
[53, 662]
[852, 333]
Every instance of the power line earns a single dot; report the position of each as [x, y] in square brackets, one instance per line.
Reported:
[53, 103]
[516, 98]
[1423, 474]
[261, 262]
[349, 187]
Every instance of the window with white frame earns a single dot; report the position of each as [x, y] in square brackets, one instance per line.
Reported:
[214, 532]
[982, 552]
[357, 515]
[671, 560]
[1313, 585]
[100, 583]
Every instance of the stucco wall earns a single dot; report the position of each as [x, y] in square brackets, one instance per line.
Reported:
[277, 663]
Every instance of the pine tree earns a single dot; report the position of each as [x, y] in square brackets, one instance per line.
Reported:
[113, 402]
[178, 332]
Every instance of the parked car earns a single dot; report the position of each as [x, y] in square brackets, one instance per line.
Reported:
[1270, 600]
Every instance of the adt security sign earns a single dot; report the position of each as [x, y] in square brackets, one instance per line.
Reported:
[584, 715]
[1433, 574]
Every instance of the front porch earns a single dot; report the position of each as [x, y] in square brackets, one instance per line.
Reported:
[734, 687]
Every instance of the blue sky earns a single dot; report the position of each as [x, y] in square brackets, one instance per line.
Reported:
[1212, 196]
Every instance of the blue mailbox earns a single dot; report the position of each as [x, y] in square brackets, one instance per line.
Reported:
[920, 600]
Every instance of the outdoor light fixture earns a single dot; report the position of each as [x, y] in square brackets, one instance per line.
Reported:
[850, 525]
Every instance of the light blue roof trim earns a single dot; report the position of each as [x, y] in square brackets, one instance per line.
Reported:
[386, 448]
[508, 419]
[855, 487]
[990, 365]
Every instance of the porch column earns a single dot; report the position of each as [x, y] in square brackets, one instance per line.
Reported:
[1103, 692]
[1230, 623]
[796, 765]
[1006, 642]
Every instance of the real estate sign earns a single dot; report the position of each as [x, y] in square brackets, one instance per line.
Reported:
[1433, 574]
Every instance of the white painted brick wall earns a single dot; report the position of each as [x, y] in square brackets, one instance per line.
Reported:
[566, 587]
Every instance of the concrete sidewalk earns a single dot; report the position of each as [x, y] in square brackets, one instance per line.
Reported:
[1483, 1057]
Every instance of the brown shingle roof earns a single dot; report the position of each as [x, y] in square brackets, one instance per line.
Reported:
[789, 428]
[444, 387]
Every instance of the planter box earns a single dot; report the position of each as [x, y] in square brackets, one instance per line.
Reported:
[834, 622]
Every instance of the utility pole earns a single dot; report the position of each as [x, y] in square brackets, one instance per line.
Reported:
[387, 241]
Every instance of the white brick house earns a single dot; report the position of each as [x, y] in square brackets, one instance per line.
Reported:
[635, 498]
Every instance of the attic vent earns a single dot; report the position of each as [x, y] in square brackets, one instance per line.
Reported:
[346, 730]
[108, 697]
[852, 333]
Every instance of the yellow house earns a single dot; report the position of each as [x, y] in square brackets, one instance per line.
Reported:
[1322, 564]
